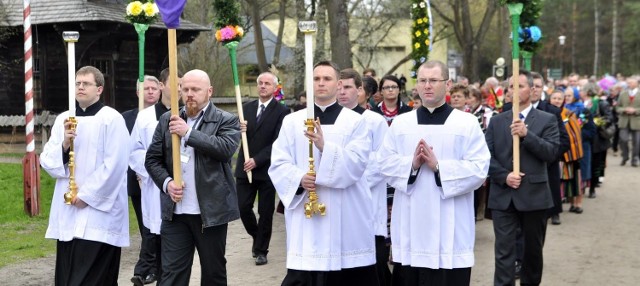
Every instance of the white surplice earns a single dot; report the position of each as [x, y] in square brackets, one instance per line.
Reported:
[434, 227]
[344, 237]
[141, 137]
[101, 151]
[377, 126]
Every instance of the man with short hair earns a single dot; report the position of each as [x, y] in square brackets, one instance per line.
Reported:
[434, 157]
[92, 229]
[349, 92]
[628, 110]
[263, 120]
[149, 266]
[520, 200]
[196, 213]
[337, 248]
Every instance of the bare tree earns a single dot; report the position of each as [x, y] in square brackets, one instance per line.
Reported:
[281, 17]
[257, 34]
[468, 39]
[596, 54]
[298, 63]
[321, 20]
[339, 28]
[615, 46]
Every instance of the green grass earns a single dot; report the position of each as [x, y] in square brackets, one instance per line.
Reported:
[13, 155]
[23, 236]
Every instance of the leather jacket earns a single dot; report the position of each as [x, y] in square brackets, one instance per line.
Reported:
[214, 141]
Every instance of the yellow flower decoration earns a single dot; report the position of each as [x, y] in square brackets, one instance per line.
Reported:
[218, 35]
[426, 31]
[419, 21]
[149, 11]
[418, 34]
[134, 8]
[425, 19]
[240, 31]
[417, 45]
[426, 42]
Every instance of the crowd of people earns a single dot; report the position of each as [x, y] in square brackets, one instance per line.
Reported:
[404, 176]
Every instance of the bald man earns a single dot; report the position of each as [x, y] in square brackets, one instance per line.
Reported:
[195, 214]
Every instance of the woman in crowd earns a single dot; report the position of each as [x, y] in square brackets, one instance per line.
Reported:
[570, 161]
[603, 119]
[459, 95]
[391, 105]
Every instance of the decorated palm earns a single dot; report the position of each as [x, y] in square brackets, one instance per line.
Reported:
[141, 14]
[229, 32]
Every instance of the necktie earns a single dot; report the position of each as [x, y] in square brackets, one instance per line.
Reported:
[260, 113]
[521, 116]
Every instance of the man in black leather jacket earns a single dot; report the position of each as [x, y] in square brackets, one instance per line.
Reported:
[196, 213]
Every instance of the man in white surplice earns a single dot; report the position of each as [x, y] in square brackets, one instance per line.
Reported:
[338, 248]
[90, 231]
[434, 157]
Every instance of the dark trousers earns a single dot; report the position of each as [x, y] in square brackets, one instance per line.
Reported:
[180, 238]
[597, 169]
[85, 262]
[259, 229]
[365, 275]
[420, 276]
[533, 225]
[149, 260]
[382, 261]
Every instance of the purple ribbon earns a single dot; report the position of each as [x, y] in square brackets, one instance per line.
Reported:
[170, 10]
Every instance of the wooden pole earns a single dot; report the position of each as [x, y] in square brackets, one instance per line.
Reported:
[173, 85]
[31, 167]
[515, 9]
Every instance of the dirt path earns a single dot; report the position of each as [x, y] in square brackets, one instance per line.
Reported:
[599, 247]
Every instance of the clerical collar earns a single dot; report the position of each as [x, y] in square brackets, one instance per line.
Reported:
[91, 110]
[160, 109]
[431, 109]
[437, 117]
[359, 109]
[327, 114]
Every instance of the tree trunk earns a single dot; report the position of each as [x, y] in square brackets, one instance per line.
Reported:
[281, 18]
[321, 20]
[615, 47]
[596, 54]
[339, 29]
[574, 32]
[258, 41]
[298, 61]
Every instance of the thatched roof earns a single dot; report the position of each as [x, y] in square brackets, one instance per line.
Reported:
[61, 11]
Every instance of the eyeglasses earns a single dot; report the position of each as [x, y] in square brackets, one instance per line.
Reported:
[431, 81]
[84, 84]
[390, 87]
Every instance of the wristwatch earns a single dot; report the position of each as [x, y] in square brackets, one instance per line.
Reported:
[437, 168]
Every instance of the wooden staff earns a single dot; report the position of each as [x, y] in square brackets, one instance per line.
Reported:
[173, 85]
[515, 9]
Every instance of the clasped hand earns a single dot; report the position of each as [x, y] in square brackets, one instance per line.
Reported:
[175, 191]
[424, 154]
[519, 128]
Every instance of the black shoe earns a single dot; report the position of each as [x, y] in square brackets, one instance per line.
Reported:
[634, 164]
[592, 195]
[137, 280]
[150, 278]
[518, 269]
[572, 209]
[261, 259]
[624, 162]
[578, 210]
[555, 219]
[253, 254]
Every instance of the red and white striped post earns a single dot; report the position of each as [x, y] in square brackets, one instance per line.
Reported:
[31, 166]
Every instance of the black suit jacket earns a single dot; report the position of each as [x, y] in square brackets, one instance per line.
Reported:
[548, 107]
[539, 147]
[260, 136]
[133, 188]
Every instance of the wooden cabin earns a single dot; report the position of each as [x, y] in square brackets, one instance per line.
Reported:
[107, 41]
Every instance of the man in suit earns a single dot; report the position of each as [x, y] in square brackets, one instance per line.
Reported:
[263, 120]
[521, 200]
[628, 110]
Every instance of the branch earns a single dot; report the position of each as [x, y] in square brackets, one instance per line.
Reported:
[399, 63]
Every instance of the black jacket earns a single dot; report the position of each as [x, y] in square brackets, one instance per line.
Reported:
[214, 141]
[260, 137]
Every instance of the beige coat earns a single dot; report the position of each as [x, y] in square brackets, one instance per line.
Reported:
[623, 118]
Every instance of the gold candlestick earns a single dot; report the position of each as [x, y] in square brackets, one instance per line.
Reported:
[73, 188]
[312, 206]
